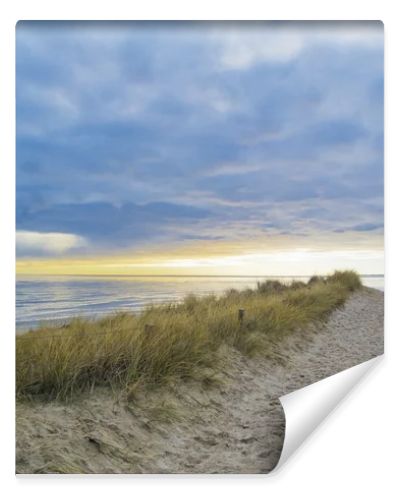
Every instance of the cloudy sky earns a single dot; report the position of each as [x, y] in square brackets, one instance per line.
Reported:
[203, 148]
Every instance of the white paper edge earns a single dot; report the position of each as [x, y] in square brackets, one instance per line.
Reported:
[308, 407]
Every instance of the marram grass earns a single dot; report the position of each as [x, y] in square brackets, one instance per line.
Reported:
[183, 341]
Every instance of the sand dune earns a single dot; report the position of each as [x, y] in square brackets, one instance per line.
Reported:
[236, 426]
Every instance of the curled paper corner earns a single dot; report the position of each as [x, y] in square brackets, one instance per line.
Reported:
[306, 408]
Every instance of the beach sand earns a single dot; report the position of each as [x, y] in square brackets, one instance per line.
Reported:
[236, 426]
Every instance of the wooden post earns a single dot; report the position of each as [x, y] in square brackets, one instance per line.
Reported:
[148, 329]
[241, 316]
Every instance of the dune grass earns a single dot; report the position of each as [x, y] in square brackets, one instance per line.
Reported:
[175, 341]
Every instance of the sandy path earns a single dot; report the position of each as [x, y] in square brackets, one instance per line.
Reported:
[237, 427]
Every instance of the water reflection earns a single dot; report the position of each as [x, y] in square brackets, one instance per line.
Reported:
[55, 299]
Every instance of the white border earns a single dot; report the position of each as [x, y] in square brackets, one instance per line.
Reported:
[353, 453]
[306, 408]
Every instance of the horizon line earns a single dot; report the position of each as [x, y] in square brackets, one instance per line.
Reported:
[192, 275]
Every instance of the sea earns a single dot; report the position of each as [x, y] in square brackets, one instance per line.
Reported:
[56, 299]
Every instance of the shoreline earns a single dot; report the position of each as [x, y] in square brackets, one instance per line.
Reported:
[232, 425]
[134, 294]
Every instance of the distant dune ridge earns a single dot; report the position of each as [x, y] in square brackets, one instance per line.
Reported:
[190, 387]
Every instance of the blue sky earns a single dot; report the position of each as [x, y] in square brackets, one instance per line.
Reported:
[130, 134]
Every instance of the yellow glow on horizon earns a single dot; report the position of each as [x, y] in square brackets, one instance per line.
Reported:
[279, 256]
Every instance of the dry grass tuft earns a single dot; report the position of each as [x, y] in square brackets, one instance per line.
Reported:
[184, 342]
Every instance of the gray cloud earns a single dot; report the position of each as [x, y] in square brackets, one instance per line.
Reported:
[130, 132]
